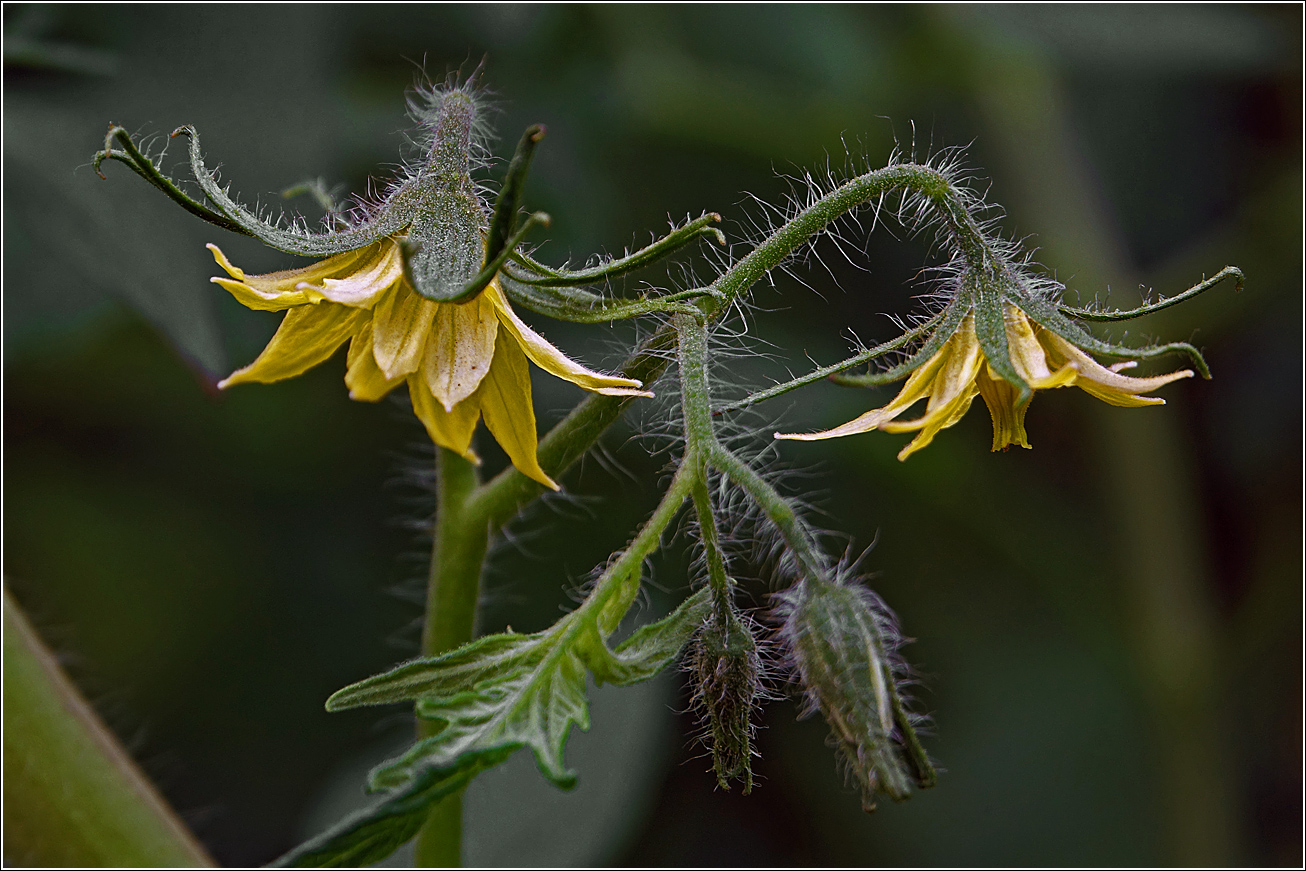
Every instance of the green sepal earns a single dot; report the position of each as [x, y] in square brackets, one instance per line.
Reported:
[947, 325]
[668, 244]
[1089, 314]
[991, 331]
[491, 267]
[509, 201]
[583, 307]
[145, 168]
[394, 217]
[1050, 317]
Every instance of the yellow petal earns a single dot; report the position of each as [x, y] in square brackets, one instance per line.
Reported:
[307, 336]
[1105, 384]
[400, 324]
[371, 276]
[365, 380]
[553, 361]
[505, 400]
[448, 429]
[918, 385]
[941, 419]
[951, 394]
[1008, 417]
[277, 291]
[957, 374]
[459, 349]
[1027, 356]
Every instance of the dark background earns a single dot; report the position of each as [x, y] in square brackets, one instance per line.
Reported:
[1109, 626]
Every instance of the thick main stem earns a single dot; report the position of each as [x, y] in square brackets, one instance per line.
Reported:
[73, 797]
[453, 589]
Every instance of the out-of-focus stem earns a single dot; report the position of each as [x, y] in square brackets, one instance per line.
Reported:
[72, 795]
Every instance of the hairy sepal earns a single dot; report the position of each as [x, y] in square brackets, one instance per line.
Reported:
[494, 696]
[842, 641]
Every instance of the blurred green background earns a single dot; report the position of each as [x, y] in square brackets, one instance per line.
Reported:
[1109, 625]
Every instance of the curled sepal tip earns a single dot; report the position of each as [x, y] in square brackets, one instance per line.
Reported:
[509, 201]
[1094, 314]
[128, 153]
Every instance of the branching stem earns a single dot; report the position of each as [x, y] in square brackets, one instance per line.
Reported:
[697, 401]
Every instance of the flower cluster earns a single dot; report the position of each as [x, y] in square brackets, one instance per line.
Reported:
[462, 361]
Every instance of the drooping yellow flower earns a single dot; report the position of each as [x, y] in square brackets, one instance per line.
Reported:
[959, 371]
[462, 361]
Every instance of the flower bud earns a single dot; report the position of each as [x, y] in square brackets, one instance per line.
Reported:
[726, 670]
[841, 640]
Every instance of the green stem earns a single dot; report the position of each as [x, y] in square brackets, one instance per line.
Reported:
[779, 511]
[617, 588]
[946, 200]
[72, 795]
[696, 398]
[499, 499]
[700, 440]
[717, 576]
[457, 555]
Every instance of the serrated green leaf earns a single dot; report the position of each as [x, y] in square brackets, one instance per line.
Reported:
[445, 675]
[372, 834]
[653, 647]
[533, 707]
[493, 696]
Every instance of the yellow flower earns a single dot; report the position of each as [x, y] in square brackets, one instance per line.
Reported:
[959, 371]
[462, 361]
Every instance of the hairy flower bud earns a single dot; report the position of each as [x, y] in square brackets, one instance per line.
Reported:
[841, 639]
[727, 671]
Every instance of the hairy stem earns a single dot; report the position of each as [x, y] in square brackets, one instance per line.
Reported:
[700, 439]
[457, 555]
[962, 230]
[619, 585]
[811, 562]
